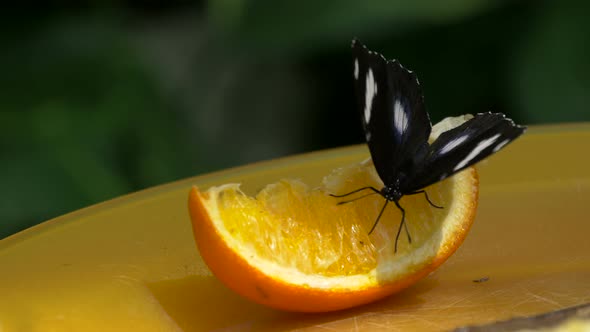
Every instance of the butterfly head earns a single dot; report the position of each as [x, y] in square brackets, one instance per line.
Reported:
[391, 193]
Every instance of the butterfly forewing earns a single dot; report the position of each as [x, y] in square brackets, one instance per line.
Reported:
[463, 146]
[391, 104]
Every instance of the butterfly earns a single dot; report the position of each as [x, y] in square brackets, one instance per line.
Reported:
[397, 127]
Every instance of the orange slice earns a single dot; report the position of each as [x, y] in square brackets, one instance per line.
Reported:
[293, 248]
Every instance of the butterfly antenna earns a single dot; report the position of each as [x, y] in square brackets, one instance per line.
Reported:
[427, 198]
[402, 224]
[354, 199]
[378, 217]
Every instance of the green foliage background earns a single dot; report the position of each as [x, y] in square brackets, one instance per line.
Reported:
[100, 102]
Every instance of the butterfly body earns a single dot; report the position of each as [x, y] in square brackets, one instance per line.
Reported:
[397, 128]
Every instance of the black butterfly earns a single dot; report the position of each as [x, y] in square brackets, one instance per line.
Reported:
[397, 128]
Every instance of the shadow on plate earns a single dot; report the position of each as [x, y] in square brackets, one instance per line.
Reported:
[205, 304]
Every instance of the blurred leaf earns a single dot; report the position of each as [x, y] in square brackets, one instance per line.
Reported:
[551, 81]
[245, 108]
[238, 107]
[33, 189]
[298, 26]
[81, 121]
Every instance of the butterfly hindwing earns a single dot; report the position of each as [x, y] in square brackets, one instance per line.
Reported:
[395, 121]
[463, 146]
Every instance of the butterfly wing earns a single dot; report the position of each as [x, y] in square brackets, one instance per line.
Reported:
[395, 121]
[463, 146]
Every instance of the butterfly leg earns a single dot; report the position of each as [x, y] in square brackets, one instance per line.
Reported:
[356, 191]
[375, 191]
[427, 198]
[402, 224]
[354, 199]
[378, 217]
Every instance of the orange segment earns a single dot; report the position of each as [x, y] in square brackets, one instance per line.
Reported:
[293, 248]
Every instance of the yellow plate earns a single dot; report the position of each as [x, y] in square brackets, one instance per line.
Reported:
[131, 264]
